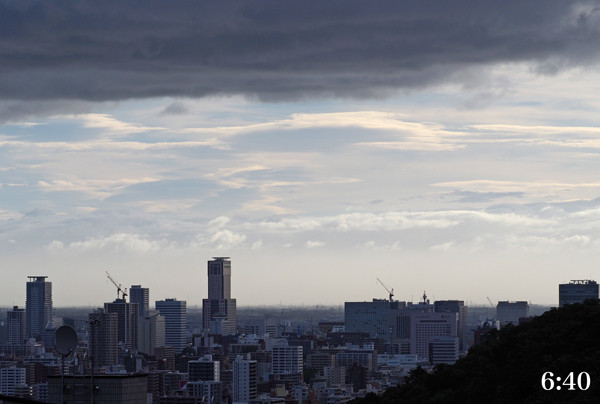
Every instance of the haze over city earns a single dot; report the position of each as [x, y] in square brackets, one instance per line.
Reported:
[448, 147]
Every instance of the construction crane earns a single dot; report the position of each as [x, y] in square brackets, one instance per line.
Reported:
[117, 285]
[491, 304]
[391, 292]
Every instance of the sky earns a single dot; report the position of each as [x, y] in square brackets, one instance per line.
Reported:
[447, 147]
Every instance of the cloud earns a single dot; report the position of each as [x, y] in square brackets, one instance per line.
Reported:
[314, 244]
[112, 125]
[118, 242]
[121, 50]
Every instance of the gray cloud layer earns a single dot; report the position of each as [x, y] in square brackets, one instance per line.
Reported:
[277, 49]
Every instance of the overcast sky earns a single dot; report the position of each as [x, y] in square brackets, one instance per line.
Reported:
[451, 147]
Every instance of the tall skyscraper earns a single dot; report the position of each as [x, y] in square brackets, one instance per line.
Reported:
[219, 306]
[127, 321]
[175, 313]
[16, 325]
[38, 306]
[577, 291]
[141, 296]
[103, 339]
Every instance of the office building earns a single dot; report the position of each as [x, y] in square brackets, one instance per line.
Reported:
[443, 350]
[103, 342]
[38, 306]
[511, 312]
[372, 317]
[219, 306]
[151, 333]
[425, 326]
[11, 378]
[15, 319]
[245, 379]
[175, 313]
[127, 322]
[577, 291]
[204, 369]
[141, 296]
[454, 306]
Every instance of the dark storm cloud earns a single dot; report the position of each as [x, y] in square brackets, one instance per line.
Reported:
[276, 49]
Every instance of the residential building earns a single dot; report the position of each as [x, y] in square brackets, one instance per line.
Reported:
[11, 378]
[151, 333]
[103, 342]
[127, 322]
[38, 306]
[287, 363]
[245, 379]
[141, 296]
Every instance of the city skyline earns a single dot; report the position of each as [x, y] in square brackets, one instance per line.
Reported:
[449, 148]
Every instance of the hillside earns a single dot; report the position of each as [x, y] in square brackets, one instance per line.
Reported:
[509, 367]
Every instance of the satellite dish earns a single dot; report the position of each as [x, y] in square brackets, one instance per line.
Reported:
[65, 340]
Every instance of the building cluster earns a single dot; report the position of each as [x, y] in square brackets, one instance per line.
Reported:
[130, 353]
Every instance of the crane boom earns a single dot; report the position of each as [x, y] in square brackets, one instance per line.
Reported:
[491, 304]
[391, 292]
[117, 285]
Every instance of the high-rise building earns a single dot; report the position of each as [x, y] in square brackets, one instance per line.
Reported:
[454, 306]
[577, 291]
[175, 313]
[245, 378]
[511, 312]
[38, 306]
[372, 317]
[127, 321]
[219, 307]
[103, 342]
[287, 363]
[141, 296]
[151, 333]
[16, 325]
